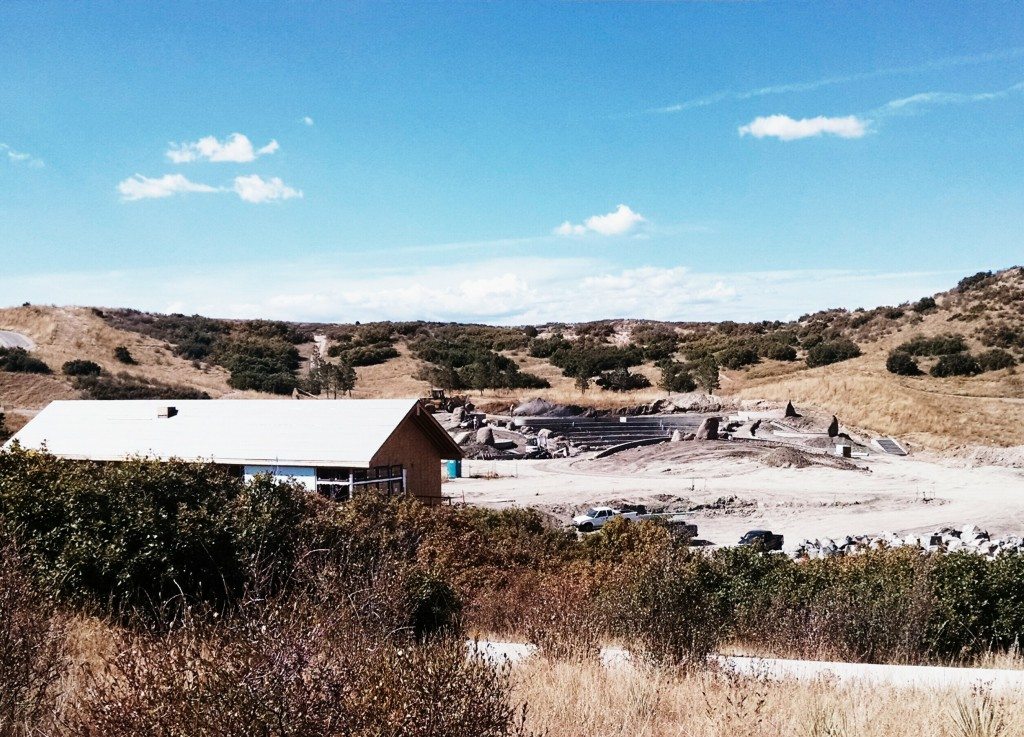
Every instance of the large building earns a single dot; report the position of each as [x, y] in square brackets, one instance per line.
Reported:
[335, 447]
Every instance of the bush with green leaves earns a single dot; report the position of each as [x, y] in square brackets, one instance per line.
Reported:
[833, 351]
[123, 355]
[939, 345]
[260, 364]
[973, 282]
[925, 304]
[18, 360]
[996, 359]
[126, 386]
[141, 533]
[775, 350]
[902, 363]
[471, 365]
[81, 367]
[956, 364]
[621, 380]
[737, 356]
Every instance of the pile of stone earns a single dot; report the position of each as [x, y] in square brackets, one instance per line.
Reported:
[947, 540]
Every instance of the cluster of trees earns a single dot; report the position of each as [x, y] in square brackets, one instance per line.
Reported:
[260, 354]
[18, 360]
[679, 376]
[470, 364]
[953, 357]
[368, 346]
[329, 378]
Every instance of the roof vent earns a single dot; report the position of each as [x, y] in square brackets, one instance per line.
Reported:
[167, 412]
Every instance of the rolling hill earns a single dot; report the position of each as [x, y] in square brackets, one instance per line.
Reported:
[758, 361]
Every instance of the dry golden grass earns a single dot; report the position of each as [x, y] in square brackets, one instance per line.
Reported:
[393, 379]
[573, 699]
[66, 333]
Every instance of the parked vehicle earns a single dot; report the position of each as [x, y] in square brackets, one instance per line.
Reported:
[765, 539]
[596, 517]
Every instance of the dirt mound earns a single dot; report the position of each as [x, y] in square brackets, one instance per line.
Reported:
[785, 458]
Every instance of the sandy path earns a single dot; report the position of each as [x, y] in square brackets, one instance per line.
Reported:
[895, 494]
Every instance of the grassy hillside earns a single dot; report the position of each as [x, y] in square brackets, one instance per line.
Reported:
[774, 361]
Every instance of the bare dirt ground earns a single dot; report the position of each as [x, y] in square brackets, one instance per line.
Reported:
[727, 491]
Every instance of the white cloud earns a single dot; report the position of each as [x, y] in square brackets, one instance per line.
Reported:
[307, 120]
[619, 222]
[786, 128]
[501, 291]
[254, 188]
[146, 188]
[236, 148]
[20, 157]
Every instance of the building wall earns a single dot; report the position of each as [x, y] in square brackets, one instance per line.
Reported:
[302, 475]
[410, 447]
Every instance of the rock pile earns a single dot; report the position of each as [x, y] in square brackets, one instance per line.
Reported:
[947, 540]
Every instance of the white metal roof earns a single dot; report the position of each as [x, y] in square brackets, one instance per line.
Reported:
[344, 432]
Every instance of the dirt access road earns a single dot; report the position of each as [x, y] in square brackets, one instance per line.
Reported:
[9, 339]
[731, 496]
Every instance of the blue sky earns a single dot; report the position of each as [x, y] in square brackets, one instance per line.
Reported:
[506, 162]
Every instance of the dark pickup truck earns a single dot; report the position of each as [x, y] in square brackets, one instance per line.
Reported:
[762, 538]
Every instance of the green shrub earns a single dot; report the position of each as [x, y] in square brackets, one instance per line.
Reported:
[737, 356]
[141, 533]
[902, 364]
[123, 355]
[925, 304]
[126, 386]
[777, 351]
[81, 367]
[956, 364]
[831, 352]
[972, 282]
[996, 359]
[18, 360]
[940, 345]
[621, 380]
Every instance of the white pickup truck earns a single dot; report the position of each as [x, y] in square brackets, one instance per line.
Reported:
[596, 517]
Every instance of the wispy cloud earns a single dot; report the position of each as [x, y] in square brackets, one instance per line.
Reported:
[306, 120]
[916, 103]
[252, 188]
[255, 189]
[139, 187]
[236, 148]
[786, 128]
[20, 157]
[618, 222]
[789, 87]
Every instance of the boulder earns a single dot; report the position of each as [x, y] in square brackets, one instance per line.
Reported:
[708, 429]
[791, 410]
[485, 436]
[458, 414]
[833, 427]
[689, 436]
[463, 437]
[754, 427]
[676, 436]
